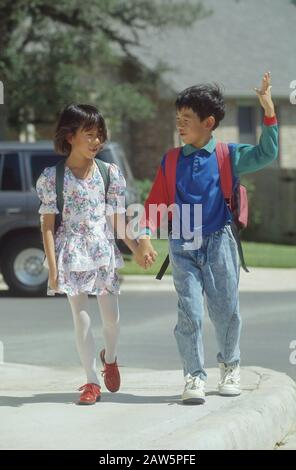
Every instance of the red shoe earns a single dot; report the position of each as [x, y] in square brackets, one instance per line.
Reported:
[110, 373]
[90, 395]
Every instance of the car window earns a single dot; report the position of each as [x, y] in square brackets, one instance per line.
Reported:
[106, 156]
[125, 165]
[10, 179]
[110, 157]
[118, 158]
[39, 161]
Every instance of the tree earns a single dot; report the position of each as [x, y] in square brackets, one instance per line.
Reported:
[53, 53]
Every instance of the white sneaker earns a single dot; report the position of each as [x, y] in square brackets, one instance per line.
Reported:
[194, 391]
[229, 384]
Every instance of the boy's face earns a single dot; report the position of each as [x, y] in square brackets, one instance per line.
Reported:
[190, 128]
[87, 143]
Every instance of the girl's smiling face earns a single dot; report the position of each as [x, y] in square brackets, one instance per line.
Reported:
[86, 142]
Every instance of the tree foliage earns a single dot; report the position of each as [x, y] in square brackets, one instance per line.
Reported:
[53, 53]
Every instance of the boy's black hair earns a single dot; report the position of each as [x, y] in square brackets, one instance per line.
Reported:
[205, 100]
[76, 116]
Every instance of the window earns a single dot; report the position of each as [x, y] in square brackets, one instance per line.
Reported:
[247, 124]
[11, 175]
[117, 156]
[39, 161]
[105, 155]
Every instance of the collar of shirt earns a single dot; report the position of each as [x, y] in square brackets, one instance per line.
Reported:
[189, 149]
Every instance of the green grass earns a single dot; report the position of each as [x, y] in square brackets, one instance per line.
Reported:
[265, 255]
[268, 255]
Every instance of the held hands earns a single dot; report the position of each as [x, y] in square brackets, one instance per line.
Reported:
[264, 95]
[145, 255]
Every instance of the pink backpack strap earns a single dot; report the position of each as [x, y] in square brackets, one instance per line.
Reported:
[225, 170]
[170, 172]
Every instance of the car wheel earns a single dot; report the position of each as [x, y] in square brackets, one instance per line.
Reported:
[22, 266]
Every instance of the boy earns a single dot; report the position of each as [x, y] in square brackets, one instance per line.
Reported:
[212, 268]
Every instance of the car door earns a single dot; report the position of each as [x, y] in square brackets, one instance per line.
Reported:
[35, 162]
[12, 201]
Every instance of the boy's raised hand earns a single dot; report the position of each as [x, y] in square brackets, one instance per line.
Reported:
[264, 95]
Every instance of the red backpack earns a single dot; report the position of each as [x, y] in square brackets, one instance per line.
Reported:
[234, 193]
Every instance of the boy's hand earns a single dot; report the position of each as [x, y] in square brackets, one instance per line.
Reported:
[264, 95]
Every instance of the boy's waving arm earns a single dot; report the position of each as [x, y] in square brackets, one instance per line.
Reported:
[250, 158]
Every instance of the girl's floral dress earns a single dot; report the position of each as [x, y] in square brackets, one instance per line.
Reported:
[87, 256]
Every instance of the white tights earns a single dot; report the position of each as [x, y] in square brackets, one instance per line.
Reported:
[108, 304]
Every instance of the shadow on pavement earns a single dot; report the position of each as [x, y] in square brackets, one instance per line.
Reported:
[71, 398]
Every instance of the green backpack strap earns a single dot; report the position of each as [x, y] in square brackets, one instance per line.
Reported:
[104, 170]
[60, 171]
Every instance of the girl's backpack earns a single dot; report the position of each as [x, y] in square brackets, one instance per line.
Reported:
[234, 193]
[60, 170]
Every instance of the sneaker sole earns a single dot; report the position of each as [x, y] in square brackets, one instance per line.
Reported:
[193, 401]
[224, 394]
[228, 393]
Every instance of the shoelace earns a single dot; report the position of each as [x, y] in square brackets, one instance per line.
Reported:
[193, 382]
[88, 387]
[228, 375]
[108, 366]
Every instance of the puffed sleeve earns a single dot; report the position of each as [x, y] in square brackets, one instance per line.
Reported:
[46, 191]
[116, 191]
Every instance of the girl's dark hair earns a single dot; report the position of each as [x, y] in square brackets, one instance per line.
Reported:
[74, 117]
[205, 100]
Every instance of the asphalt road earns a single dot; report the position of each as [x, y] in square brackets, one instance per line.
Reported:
[39, 331]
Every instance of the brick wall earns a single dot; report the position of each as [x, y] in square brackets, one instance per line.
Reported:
[150, 139]
[275, 198]
[228, 130]
[287, 117]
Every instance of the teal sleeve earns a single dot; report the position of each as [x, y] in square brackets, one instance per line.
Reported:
[250, 158]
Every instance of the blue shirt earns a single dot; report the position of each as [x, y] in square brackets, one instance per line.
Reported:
[198, 182]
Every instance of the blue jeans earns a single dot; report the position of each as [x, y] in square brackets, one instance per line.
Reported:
[212, 270]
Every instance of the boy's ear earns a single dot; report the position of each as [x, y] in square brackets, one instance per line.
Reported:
[210, 122]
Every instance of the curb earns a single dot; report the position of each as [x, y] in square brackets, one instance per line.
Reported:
[259, 422]
[261, 418]
[258, 280]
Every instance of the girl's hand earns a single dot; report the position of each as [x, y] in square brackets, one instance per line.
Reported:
[145, 255]
[53, 280]
[264, 95]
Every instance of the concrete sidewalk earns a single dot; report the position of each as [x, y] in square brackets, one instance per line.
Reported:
[38, 412]
[258, 280]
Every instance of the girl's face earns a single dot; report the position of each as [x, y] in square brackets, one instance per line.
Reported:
[86, 143]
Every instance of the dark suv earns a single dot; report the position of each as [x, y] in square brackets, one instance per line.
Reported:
[21, 250]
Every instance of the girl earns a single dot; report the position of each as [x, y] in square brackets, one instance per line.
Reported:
[82, 256]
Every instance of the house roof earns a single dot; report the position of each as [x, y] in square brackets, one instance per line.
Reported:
[233, 46]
